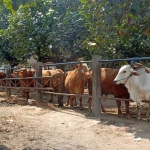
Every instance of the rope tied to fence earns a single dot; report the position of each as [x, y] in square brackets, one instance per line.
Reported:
[134, 59]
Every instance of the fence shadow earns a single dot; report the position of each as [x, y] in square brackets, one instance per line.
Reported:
[3, 147]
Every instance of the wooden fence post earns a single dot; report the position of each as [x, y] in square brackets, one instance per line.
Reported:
[96, 88]
[8, 82]
[38, 81]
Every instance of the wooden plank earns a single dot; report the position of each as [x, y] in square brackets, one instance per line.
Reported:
[96, 89]
[8, 82]
[38, 81]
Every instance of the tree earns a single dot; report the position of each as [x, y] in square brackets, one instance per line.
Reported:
[118, 27]
[49, 29]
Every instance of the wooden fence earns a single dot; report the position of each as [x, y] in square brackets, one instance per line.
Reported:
[96, 83]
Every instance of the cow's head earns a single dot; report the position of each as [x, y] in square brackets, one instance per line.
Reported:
[82, 69]
[2, 75]
[21, 72]
[126, 72]
[25, 73]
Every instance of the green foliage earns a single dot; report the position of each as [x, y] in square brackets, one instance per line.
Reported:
[54, 30]
[14, 4]
[118, 24]
[64, 30]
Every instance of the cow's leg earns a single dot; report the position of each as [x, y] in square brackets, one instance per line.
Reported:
[60, 97]
[81, 106]
[60, 100]
[138, 111]
[102, 108]
[67, 103]
[127, 109]
[71, 101]
[75, 101]
[119, 108]
[51, 98]
[147, 112]
[89, 103]
[26, 94]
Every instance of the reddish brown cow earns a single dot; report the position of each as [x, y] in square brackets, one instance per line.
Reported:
[24, 73]
[74, 82]
[2, 75]
[108, 87]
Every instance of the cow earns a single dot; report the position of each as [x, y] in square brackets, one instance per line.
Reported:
[108, 87]
[75, 102]
[137, 80]
[57, 81]
[2, 76]
[14, 82]
[26, 73]
[74, 82]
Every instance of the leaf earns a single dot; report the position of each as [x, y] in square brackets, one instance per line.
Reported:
[120, 11]
[133, 11]
[15, 4]
[107, 7]
[132, 21]
[8, 4]
[2, 25]
[147, 14]
[1, 2]
[108, 20]
[139, 17]
[144, 27]
[83, 1]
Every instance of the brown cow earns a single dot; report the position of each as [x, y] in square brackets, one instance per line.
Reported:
[2, 75]
[57, 82]
[74, 82]
[23, 73]
[108, 87]
[14, 82]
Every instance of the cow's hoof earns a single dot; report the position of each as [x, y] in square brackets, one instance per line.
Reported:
[137, 119]
[128, 116]
[66, 104]
[71, 107]
[103, 110]
[148, 120]
[60, 105]
[75, 104]
[120, 115]
[81, 108]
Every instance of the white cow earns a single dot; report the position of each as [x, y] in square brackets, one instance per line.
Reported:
[137, 81]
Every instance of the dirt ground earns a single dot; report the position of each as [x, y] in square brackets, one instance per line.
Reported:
[44, 126]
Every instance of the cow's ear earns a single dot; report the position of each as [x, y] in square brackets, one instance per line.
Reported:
[147, 70]
[34, 72]
[137, 65]
[135, 73]
[76, 66]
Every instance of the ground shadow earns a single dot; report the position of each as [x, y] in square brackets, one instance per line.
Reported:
[3, 147]
[137, 129]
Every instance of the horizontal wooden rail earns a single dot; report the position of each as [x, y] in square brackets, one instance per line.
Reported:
[122, 99]
[127, 59]
[66, 63]
[65, 94]
[27, 78]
